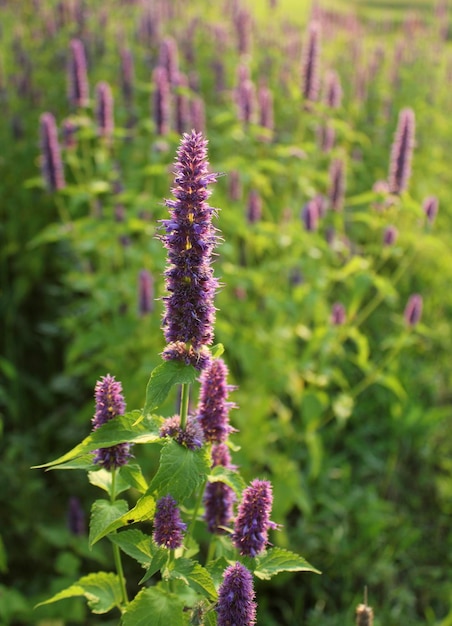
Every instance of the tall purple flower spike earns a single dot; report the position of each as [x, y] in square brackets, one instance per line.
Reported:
[190, 238]
[51, 164]
[109, 404]
[219, 498]
[430, 207]
[402, 152]
[104, 110]
[310, 63]
[168, 527]
[161, 100]
[213, 408]
[145, 292]
[253, 519]
[413, 310]
[78, 90]
[336, 191]
[236, 598]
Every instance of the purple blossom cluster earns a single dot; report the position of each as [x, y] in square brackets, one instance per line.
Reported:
[413, 310]
[310, 63]
[402, 152]
[190, 239]
[253, 519]
[109, 404]
[104, 110]
[219, 498]
[213, 407]
[191, 436]
[51, 163]
[78, 90]
[168, 526]
[236, 598]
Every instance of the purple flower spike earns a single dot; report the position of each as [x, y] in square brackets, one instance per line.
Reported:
[145, 292]
[78, 90]
[127, 76]
[310, 216]
[218, 497]
[402, 152]
[104, 110]
[109, 404]
[52, 166]
[192, 437]
[190, 239]
[390, 236]
[337, 184]
[254, 209]
[161, 106]
[236, 598]
[213, 409]
[168, 526]
[338, 315]
[333, 90]
[430, 206]
[253, 519]
[413, 310]
[310, 69]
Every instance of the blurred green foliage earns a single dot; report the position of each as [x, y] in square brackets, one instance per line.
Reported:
[351, 422]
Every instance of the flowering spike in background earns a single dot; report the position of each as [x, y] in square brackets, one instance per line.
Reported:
[109, 404]
[190, 238]
[161, 101]
[236, 598]
[51, 164]
[218, 497]
[413, 310]
[336, 190]
[364, 615]
[145, 292]
[104, 110]
[402, 152]
[78, 90]
[310, 63]
[168, 527]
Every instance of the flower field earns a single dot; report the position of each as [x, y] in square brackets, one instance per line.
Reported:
[225, 303]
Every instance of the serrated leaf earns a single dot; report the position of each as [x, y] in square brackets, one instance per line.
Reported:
[228, 477]
[103, 514]
[277, 560]
[154, 606]
[180, 471]
[133, 475]
[196, 576]
[102, 591]
[102, 478]
[136, 544]
[120, 429]
[159, 561]
[143, 510]
[163, 377]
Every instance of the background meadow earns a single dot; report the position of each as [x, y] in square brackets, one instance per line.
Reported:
[342, 402]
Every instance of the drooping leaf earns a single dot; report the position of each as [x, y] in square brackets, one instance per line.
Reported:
[120, 429]
[196, 576]
[103, 513]
[180, 471]
[154, 606]
[143, 510]
[102, 591]
[277, 560]
[228, 477]
[163, 377]
[136, 544]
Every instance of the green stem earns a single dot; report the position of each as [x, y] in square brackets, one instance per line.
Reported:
[184, 401]
[211, 550]
[116, 551]
[196, 509]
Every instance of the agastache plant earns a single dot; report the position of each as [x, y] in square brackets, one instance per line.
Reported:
[195, 486]
[402, 152]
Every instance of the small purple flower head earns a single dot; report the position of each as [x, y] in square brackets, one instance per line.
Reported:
[402, 152]
[213, 408]
[169, 59]
[76, 517]
[265, 103]
[109, 404]
[364, 615]
[52, 166]
[190, 239]
[336, 190]
[390, 235]
[104, 110]
[333, 90]
[178, 351]
[254, 209]
[168, 527]
[253, 519]
[69, 132]
[338, 315]
[310, 216]
[236, 598]
[235, 187]
[192, 437]
[430, 207]
[161, 102]
[310, 63]
[127, 76]
[145, 292]
[78, 90]
[413, 310]
[219, 498]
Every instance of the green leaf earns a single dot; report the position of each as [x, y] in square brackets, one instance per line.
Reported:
[277, 560]
[163, 377]
[217, 350]
[159, 561]
[103, 513]
[136, 544]
[154, 606]
[133, 475]
[180, 471]
[120, 429]
[196, 576]
[142, 511]
[102, 478]
[102, 591]
[343, 407]
[220, 474]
